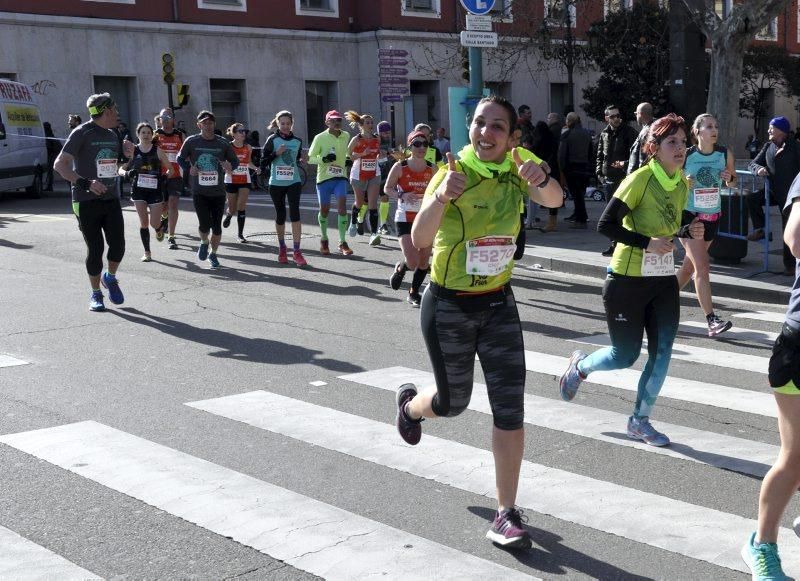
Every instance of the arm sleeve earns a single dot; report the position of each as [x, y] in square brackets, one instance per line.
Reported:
[299, 150]
[610, 225]
[268, 153]
[314, 154]
[760, 160]
[185, 155]
[600, 157]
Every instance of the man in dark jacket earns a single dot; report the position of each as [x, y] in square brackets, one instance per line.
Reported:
[575, 161]
[779, 162]
[644, 117]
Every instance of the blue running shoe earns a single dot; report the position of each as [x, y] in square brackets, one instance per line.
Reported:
[572, 378]
[112, 284]
[212, 259]
[96, 301]
[764, 562]
[642, 429]
[202, 252]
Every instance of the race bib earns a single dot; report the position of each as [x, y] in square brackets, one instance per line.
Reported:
[106, 168]
[207, 178]
[658, 265]
[335, 171]
[706, 198]
[172, 156]
[147, 181]
[284, 172]
[369, 164]
[241, 170]
[411, 203]
[489, 255]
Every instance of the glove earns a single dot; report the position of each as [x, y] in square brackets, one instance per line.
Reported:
[329, 158]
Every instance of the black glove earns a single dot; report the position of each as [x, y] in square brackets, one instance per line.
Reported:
[331, 157]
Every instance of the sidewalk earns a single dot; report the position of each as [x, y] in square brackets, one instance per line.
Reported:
[578, 252]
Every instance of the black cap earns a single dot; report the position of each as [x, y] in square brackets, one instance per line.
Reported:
[203, 115]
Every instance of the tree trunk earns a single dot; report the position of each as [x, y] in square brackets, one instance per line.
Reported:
[727, 52]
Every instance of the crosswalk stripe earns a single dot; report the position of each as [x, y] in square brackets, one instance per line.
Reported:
[767, 316]
[734, 333]
[719, 450]
[680, 527]
[21, 560]
[728, 359]
[305, 533]
[688, 390]
[8, 361]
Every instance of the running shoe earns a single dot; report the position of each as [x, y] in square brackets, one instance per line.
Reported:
[297, 256]
[508, 531]
[414, 299]
[112, 284]
[642, 429]
[147, 258]
[202, 252]
[384, 230]
[572, 378]
[282, 255]
[764, 562]
[243, 240]
[226, 221]
[410, 430]
[352, 230]
[323, 247]
[360, 228]
[717, 326]
[375, 240]
[160, 233]
[164, 223]
[213, 260]
[172, 244]
[398, 275]
[344, 249]
[96, 301]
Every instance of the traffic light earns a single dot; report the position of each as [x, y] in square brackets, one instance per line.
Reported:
[465, 63]
[183, 95]
[167, 68]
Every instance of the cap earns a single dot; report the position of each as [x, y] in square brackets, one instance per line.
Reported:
[414, 134]
[203, 115]
[384, 126]
[333, 114]
[781, 123]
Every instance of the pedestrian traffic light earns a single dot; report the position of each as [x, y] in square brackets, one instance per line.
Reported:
[167, 68]
[183, 95]
[465, 63]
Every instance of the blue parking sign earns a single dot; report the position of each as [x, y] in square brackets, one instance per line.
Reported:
[477, 6]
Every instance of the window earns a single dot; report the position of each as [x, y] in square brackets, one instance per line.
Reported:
[9, 76]
[227, 102]
[614, 5]
[723, 7]
[324, 8]
[123, 91]
[236, 5]
[321, 97]
[421, 8]
[555, 12]
[501, 11]
[559, 99]
[770, 31]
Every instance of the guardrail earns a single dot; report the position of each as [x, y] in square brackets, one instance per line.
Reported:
[728, 228]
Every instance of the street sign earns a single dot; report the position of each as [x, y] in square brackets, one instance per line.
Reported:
[477, 6]
[478, 39]
[391, 62]
[392, 98]
[392, 71]
[479, 23]
[394, 91]
[384, 52]
[393, 80]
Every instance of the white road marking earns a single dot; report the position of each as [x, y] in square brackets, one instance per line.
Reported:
[734, 333]
[318, 383]
[767, 316]
[22, 560]
[8, 361]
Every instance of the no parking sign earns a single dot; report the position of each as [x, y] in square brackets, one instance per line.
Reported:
[477, 6]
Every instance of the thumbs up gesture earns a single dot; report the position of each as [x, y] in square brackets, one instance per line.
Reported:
[453, 184]
[529, 171]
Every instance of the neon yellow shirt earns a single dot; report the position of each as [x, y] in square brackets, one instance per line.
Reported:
[324, 144]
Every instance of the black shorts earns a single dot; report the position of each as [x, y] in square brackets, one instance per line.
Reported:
[234, 188]
[173, 187]
[784, 364]
[711, 228]
[209, 210]
[150, 196]
[403, 228]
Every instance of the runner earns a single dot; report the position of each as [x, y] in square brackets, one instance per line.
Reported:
[237, 182]
[707, 166]
[470, 215]
[207, 156]
[282, 154]
[433, 155]
[385, 163]
[406, 183]
[169, 139]
[328, 152]
[364, 177]
[89, 162]
[641, 291]
[144, 172]
[780, 484]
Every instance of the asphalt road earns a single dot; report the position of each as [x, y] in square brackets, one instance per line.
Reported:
[86, 491]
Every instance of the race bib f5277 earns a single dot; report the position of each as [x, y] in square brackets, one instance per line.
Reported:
[489, 255]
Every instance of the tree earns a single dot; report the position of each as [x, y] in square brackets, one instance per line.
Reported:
[730, 37]
[634, 59]
[765, 68]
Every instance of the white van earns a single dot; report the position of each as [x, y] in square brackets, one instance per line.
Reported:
[23, 152]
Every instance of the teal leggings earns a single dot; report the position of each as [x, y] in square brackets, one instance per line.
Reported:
[636, 305]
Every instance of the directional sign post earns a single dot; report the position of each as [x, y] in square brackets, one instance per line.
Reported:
[393, 83]
[478, 6]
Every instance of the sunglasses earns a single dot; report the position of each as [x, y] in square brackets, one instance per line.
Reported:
[419, 144]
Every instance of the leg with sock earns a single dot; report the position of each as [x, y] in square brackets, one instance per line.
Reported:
[144, 234]
[240, 218]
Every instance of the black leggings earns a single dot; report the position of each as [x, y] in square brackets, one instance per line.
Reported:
[209, 211]
[455, 328]
[97, 218]
[279, 195]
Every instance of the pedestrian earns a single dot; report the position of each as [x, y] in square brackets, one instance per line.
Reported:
[641, 293]
[169, 139]
[328, 152]
[574, 160]
[122, 131]
[406, 183]
[545, 146]
[237, 181]
[207, 157]
[780, 484]
[433, 155]
[752, 146]
[613, 151]
[707, 167]
[53, 146]
[73, 121]
[364, 149]
[644, 117]
[144, 170]
[470, 216]
[525, 126]
[441, 142]
[282, 156]
[779, 162]
[89, 161]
